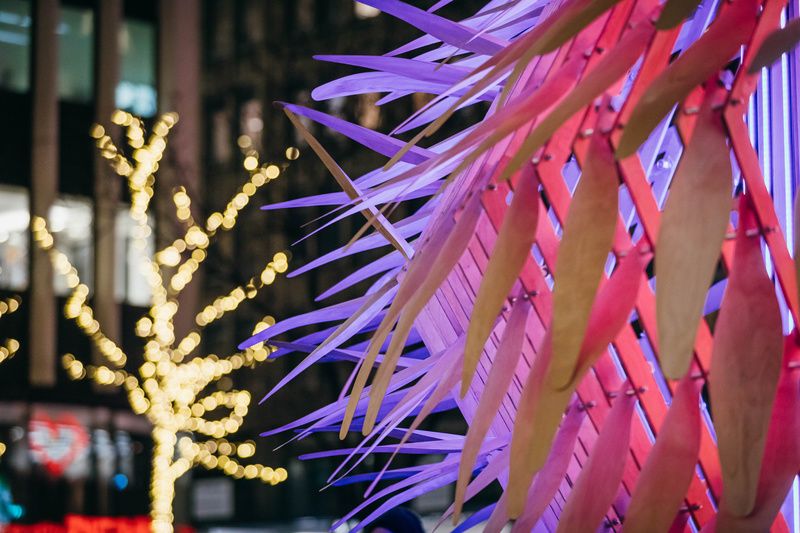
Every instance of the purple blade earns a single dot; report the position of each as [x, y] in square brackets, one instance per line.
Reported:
[443, 29]
[373, 140]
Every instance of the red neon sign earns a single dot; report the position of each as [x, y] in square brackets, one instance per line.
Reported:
[92, 524]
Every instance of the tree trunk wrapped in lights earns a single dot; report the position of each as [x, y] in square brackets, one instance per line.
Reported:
[171, 385]
[665, 104]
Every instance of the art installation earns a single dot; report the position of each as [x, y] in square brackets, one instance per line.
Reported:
[613, 236]
[174, 387]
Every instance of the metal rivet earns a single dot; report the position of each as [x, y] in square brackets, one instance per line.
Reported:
[752, 232]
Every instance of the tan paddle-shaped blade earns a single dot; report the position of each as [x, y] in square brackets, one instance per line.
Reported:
[571, 20]
[540, 407]
[444, 241]
[616, 63]
[538, 414]
[453, 354]
[781, 455]
[380, 223]
[495, 389]
[703, 58]
[689, 242]
[777, 43]
[436, 272]
[597, 484]
[582, 255]
[518, 113]
[512, 247]
[669, 468]
[745, 367]
[675, 11]
[557, 29]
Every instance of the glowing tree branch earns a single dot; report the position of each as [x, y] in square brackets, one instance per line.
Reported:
[9, 346]
[169, 388]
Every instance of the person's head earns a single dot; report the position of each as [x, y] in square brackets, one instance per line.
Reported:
[397, 520]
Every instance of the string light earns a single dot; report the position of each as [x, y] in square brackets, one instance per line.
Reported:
[167, 388]
[9, 346]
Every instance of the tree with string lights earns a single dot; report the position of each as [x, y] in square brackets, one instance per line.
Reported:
[171, 385]
[10, 345]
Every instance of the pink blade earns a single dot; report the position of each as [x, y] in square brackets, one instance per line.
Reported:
[781, 454]
[670, 466]
[512, 248]
[494, 391]
[549, 478]
[582, 255]
[597, 484]
[745, 368]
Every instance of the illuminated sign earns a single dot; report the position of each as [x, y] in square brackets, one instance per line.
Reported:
[91, 524]
[57, 443]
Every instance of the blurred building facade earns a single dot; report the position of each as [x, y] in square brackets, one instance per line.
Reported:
[220, 64]
[65, 64]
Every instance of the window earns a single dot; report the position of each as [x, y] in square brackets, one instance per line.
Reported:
[221, 135]
[130, 282]
[70, 221]
[136, 91]
[14, 220]
[71, 225]
[15, 44]
[251, 121]
[76, 55]
[222, 43]
[254, 21]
